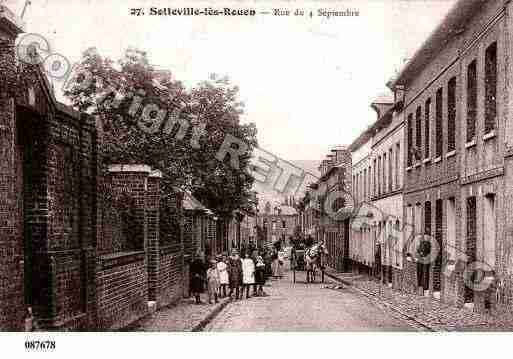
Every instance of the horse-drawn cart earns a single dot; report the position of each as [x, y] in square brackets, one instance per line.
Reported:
[299, 259]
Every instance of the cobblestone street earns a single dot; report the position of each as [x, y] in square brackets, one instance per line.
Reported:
[428, 310]
[307, 307]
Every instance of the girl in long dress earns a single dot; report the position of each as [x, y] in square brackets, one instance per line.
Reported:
[248, 273]
[280, 265]
[275, 263]
[223, 275]
[212, 281]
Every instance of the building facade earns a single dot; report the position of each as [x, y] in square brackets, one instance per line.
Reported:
[386, 194]
[278, 224]
[324, 198]
[457, 101]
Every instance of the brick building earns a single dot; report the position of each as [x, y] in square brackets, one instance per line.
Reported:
[47, 196]
[322, 200]
[361, 238]
[199, 227]
[278, 223]
[386, 194]
[83, 246]
[457, 101]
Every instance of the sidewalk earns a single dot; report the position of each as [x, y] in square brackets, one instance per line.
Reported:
[184, 316]
[427, 311]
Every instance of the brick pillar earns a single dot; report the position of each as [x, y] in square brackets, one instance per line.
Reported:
[152, 233]
[11, 216]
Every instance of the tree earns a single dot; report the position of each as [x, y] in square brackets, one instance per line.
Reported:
[145, 116]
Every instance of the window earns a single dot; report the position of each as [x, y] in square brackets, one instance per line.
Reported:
[384, 172]
[390, 170]
[410, 139]
[427, 109]
[451, 229]
[489, 230]
[379, 176]
[284, 224]
[490, 87]
[364, 184]
[471, 250]
[368, 181]
[374, 191]
[439, 240]
[451, 115]
[357, 187]
[438, 127]
[398, 155]
[418, 131]
[471, 100]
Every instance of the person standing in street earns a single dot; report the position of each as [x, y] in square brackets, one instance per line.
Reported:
[275, 263]
[254, 257]
[222, 267]
[235, 273]
[198, 273]
[248, 274]
[212, 281]
[281, 262]
[260, 276]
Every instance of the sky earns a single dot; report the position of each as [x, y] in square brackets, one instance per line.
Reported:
[306, 82]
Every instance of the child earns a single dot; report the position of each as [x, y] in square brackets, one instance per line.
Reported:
[212, 281]
[248, 273]
[235, 273]
[260, 275]
[223, 275]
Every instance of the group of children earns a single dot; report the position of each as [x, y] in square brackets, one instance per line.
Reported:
[236, 273]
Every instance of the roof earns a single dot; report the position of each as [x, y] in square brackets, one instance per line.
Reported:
[192, 204]
[364, 137]
[10, 22]
[452, 25]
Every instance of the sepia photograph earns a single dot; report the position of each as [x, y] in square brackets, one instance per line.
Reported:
[336, 170]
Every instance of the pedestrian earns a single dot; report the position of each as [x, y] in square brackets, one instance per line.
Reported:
[268, 265]
[223, 275]
[274, 258]
[248, 273]
[212, 281]
[254, 256]
[260, 276]
[234, 273]
[198, 273]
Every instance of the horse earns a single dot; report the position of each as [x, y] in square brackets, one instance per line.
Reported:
[313, 259]
[311, 268]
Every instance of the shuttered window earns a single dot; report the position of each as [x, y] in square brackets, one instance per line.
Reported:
[490, 87]
[471, 100]
[439, 127]
[451, 115]
[427, 128]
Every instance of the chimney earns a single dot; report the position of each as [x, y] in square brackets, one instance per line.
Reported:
[340, 153]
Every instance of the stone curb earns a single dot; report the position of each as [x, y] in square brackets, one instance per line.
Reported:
[210, 316]
[389, 306]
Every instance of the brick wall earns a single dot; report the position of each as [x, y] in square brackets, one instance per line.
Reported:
[122, 287]
[124, 270]
[12, 306]
[171, 277]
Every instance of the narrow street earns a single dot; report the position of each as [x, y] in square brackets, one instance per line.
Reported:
[306, 307]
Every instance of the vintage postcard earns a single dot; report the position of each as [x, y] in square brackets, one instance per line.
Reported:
[254, 166]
